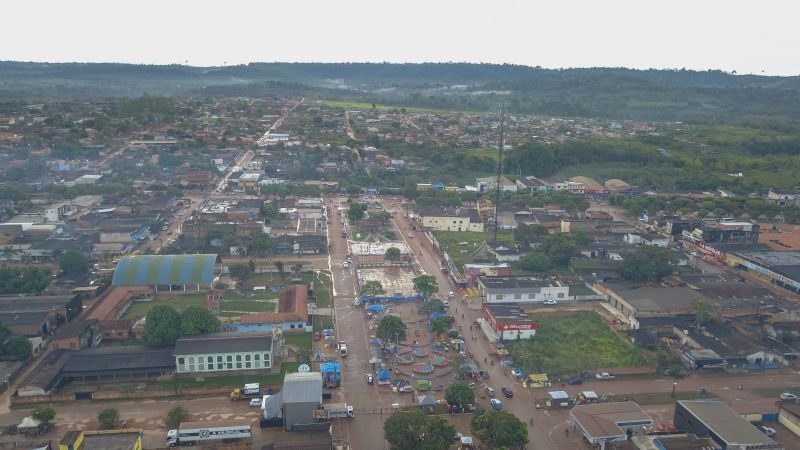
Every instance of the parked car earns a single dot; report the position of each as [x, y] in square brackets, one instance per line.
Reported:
[369, 378]
[575, 381]
[406, 388]
[496, 404]
[608, 376]
[255, 402]
[411, 235]
[788, 396]
[767, 430]
[550, 301]
[490, 391]
[451, 294]
[507, 392]
[472, 385]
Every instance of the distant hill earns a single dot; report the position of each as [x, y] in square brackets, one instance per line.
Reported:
[594, 92]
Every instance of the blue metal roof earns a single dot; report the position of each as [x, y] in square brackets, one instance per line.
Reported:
[149, 270]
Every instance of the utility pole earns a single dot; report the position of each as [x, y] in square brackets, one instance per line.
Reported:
[499, 172]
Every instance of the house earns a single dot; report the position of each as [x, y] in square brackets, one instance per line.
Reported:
[651, 301]
[77, 335]
[724, 231]
[473, 271]
[521, 289]
[509, 321]
[306, 244]
[602, 423]
[783, 198]
[450, 219]
[570, 186]
[38, 315]
[505, 253]
[291, 314]
[248, 180]
[646, 239]
[533, 184]
[117, 330]
[487, 184]
[223, 353]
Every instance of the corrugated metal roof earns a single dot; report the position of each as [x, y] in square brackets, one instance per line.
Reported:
[302, 387]
[149, 270]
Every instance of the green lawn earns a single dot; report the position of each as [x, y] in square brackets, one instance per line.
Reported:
[274, 279]
[353, 105]
[322, 289]
[179, 302]
[322, 322]
[247, 306]
[301, 340]
[571, 344]
[580, 289]
[460, 244]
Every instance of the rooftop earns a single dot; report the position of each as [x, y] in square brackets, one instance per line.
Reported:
[726, 423]
[292, 306]
[516, 282]
[148, 270]
[603, 420]
[75, 328]
[223, 343]
[301, 387]
[657, 299]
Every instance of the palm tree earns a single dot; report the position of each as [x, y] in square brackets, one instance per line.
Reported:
[8, 253]
[279, 265]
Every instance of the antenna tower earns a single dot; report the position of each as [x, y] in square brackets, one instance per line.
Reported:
[499, 171]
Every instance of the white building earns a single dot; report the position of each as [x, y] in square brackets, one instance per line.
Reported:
[571, 186]
[451, 219]
[223, 352]
[521, 289]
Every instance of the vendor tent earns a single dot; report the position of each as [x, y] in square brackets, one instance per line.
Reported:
[558, 395]
[426, 400]
[376, 308]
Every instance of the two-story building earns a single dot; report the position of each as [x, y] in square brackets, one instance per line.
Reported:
[450, 219]
[223, 352]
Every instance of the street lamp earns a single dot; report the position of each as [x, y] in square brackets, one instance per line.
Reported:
[674, 386]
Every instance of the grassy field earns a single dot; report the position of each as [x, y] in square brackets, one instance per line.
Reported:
[240, 303]
[580, 289]
[322, 322]
[460, 244]
[247, 306]
[362, 106]
[571, 344]
[322, 289]
[302, 340]
[274, 279]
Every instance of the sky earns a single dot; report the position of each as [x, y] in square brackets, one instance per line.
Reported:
[758, 37]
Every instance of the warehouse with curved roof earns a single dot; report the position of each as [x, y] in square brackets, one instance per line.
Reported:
[165, 270]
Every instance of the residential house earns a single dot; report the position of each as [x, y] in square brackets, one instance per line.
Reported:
[77, 335]
[487, 184]
[521, 289]
[291, 314]
[307, 244]
[450, 219]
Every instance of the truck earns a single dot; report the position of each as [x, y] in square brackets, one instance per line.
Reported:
[334, 411]
[196, 433]
[249, 390]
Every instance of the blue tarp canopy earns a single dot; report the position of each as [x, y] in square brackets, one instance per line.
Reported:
[435, 315]
[375, 342]
[383, 375]
[378, 308]
[331, 367]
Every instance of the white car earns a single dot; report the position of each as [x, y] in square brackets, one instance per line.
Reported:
[767, 430]
[788, 396]
[406, 388]
[255, 402]
[550, 301]
[446, 303]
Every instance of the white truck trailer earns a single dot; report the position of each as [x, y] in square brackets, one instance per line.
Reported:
[335, 411]
[195, 433]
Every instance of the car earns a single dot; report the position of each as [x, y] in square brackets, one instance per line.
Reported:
[369, 378]
[457, 436]
[507, 392]
[788, 396]
[255, 402]
[575, 381]
[406, 388]
[472, 385]
[346, 264]
[490, 391]
[496, 404]
[767, 430]
[608, 376]
[445, 303]
[317, 336]
[411, 235]
[451, 294]
[550, 301]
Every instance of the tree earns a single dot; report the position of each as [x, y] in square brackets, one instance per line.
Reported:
[372, 288]
[459, 394]
[73, 261]
[647, 263]
[499, 428]
[198, 320]
[535, 262]
[44, 414]
[426, 285]
[303, 355]
[279, 265]
[440, 326]
[525, 235]
[296, 268]
[392, 254]
[261, 245]
[162, 326]
[415, 431]
[560, 248]
[108, 417]
[391, 329]
[433, 305]
[703, 311]
[8, 253]
[176, 416]
[17, 348]
[356, 212]
[241, 272]
[581, 238]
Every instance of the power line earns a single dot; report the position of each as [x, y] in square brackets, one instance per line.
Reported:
[499, 172]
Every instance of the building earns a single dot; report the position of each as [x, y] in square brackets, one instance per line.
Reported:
[570, 186]
[716, 420]
[789, 416]
[291, 315]
[600, 423]
[783, 198]
[223, 352]
[166, 270]
[487, 184]
[310, 208]
[673, 442]
[779, 268]
[248, 180]
[450, 219]
[88, 179]
[304, 244]
[302, 395]
[650, 301]
[117, 330]
[77, 335]
[509, 321]
[473, 271]
[38, 315]
[724, 231]
[130, 439]
[533, 184]
[521, 289]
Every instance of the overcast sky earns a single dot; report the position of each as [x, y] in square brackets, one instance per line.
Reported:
[746, 36]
